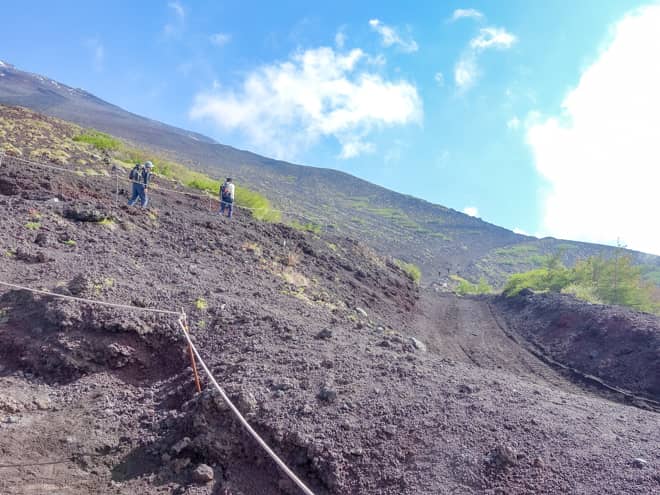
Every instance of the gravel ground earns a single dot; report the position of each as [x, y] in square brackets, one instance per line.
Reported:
[415, 392]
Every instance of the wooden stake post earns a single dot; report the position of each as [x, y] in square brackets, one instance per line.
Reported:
[186, 329]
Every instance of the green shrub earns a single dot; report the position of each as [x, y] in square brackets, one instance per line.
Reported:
[465, 287]
[585, 293]
[99, 140]
[412, 270]
[257, 204]
[33, 225]
[308, 227]
[595, 279]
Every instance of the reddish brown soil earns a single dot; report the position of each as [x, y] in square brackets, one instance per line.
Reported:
[614, 344]
[95, 400]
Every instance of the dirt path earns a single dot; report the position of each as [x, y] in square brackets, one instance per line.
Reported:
[466, 329]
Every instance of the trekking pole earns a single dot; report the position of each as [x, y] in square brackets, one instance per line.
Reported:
[184, 325]
[116, 187]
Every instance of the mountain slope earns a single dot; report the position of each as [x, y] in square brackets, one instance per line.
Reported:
[98, 399]
[440, 240]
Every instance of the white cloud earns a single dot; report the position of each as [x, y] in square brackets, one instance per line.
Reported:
[600, 156]
[439, 79]
[340, 38]
[286, 107]
[513, 123]
[390, 37]
[175, 27]
[466, 13]
[466, 70]
[351, 149]
[97, 50]
[473, 211]
[178, 10]
[220, 39]
[491, 37]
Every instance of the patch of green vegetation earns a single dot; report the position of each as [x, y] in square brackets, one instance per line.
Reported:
[201, 304]
[257, 203]
[517, 250]
[651, 274]
[107, 222]
[596, 279]
[99, 140]
[307, 227]
[440, 235]
[465, 287]
[332, 246]
[412, 270]
[91, 172]
[33, 225]
[70, 242]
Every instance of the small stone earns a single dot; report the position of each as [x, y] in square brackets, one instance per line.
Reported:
[538, 462]
[502, 457]
[465, 389]
[418, 344]
[42, 403]
[324, 334]
[361, 312]
[638, 462]
[287, 486]
[181, 445]
[203, 474]
[390, 430]
[282, 384]
[181, 464]
[306, 410]
[247, 403]
[166, 457]
[327, 393]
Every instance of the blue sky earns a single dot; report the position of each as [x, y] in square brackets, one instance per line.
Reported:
[481, 106]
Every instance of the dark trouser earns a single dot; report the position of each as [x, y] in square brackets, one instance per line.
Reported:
[138, 192]
[226, 204]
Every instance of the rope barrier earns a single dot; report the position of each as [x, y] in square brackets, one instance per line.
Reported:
[240, 417]
[91, 301]
[152, 187]
[182, 320]
[64, 460]
[345, 226]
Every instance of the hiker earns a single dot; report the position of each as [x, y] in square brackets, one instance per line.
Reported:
[134, 176]
[227, 197]
[140, 177]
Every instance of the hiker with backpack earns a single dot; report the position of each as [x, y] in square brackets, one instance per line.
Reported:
[140, 177]
[227, 197]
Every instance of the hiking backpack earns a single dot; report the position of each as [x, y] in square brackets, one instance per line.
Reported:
[224, 192]
[135, 174]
